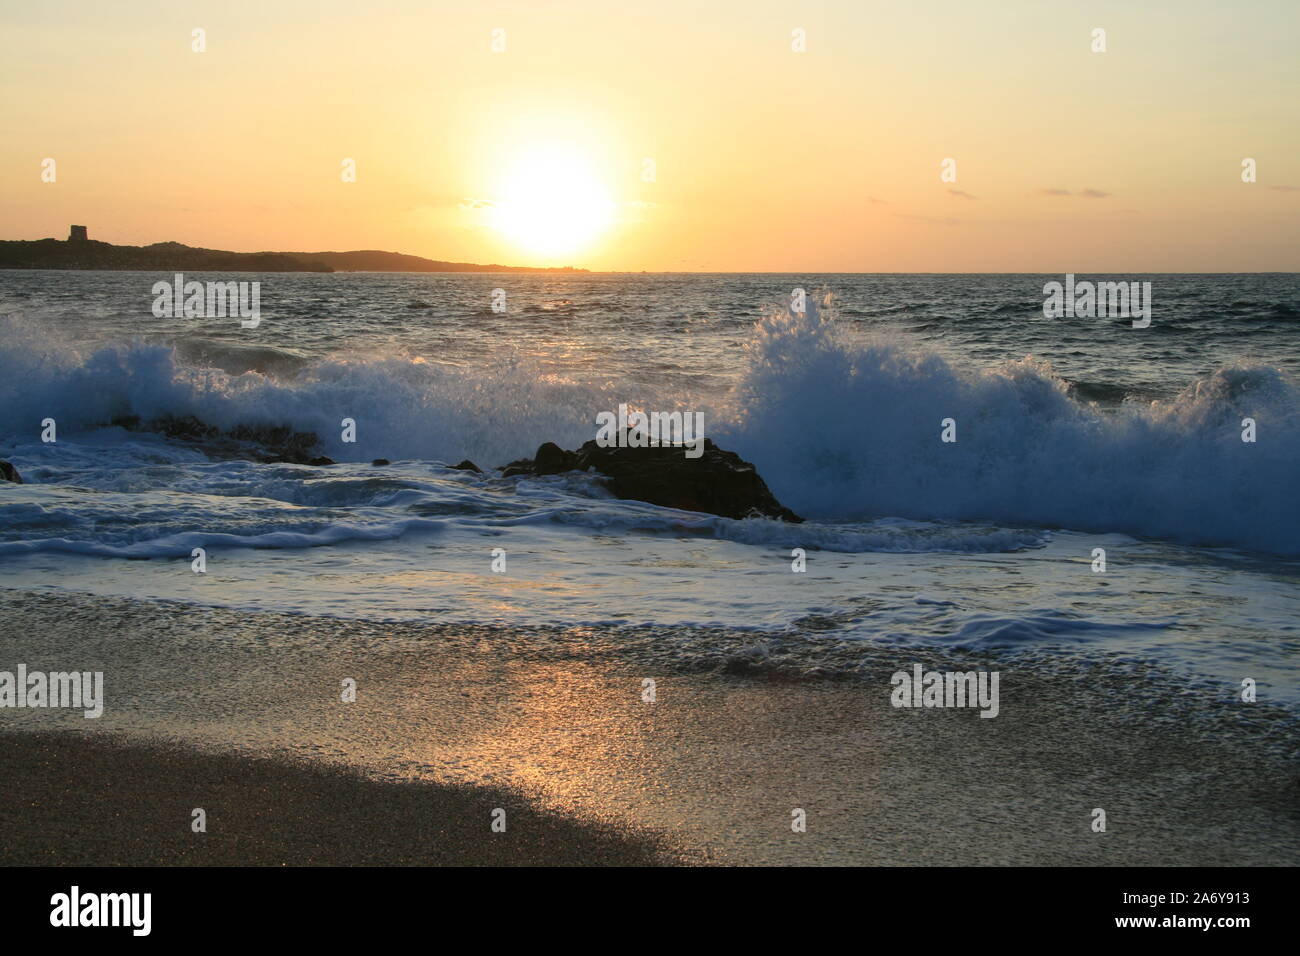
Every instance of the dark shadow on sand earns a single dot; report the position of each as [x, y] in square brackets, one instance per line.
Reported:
[92, 800]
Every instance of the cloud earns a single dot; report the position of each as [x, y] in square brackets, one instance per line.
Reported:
[1083, 193]
[875, 201]
[1286, 189]
[927, 220]
[960, 194]
[477, 203]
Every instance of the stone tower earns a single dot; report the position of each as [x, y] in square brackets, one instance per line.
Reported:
[78, 234]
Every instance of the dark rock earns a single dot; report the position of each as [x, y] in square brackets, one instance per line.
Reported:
[264, 443]
[181, 428]
[278, 442]
[322, 460]
[718, 482]
[9, 473]
[468, 465]
[381, 461]
[551, 459]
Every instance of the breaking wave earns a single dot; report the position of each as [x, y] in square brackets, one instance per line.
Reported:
[841, 432]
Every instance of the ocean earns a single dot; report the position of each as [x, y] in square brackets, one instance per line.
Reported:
[1074, 436]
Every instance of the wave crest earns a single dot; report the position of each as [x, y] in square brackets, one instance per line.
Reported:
[850, 431]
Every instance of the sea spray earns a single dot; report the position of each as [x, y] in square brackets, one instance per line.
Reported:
[847, 431]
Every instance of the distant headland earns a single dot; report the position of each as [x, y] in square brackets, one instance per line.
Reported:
[79, 251]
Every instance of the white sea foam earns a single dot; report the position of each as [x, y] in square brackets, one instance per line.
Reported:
[853, 431]
[840, 432]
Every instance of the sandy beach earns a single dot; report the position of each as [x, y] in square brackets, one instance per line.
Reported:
[241, 714]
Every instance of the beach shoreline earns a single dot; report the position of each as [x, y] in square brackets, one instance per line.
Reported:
[242, 714]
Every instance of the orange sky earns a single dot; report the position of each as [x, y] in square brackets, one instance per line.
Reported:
[765, 159]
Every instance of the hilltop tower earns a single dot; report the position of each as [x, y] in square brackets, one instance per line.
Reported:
[78, 234]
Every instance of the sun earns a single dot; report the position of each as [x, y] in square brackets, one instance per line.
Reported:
[551, 202]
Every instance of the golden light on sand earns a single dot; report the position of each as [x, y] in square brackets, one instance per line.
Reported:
[551, 202]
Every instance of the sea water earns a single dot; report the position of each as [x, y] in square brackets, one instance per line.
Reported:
[1074, 438]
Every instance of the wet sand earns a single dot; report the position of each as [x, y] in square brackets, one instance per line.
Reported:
[241, 713]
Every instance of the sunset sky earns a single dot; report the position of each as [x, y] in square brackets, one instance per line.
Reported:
[765, 159]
